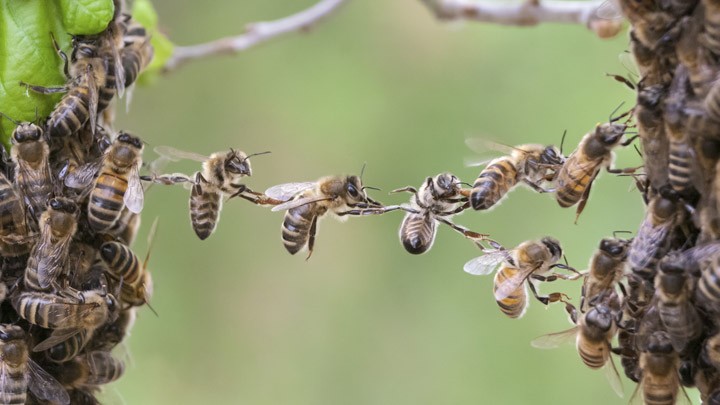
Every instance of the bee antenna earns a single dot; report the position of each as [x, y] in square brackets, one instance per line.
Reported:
[12, 120]
[617, 232]
[562, 141]
[637, 150]
[611, 119]
[370, 188]
[255, 154]
[464, 183]
[362, 171]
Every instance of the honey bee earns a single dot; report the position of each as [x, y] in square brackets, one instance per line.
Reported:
[307, 202]
[673, 287]
[708, 286]
[593, 335]
[710, 38]
[68, 349]
[19, 373]
[651, 127]
[221, 176]
[91, 369]
[530, 261]
[30, 153]
[137, 51]
[49, 256]
[606, 269]
[437, 200]
[113, 333]
[14, 227]
[692, 55]
[595, 152]
[86, 74]
[126, 227]
[529, 164]
[68, 315]
[117, 185]
[659, 362]
[651, 241]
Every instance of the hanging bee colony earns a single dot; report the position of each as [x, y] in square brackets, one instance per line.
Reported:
[71, 195]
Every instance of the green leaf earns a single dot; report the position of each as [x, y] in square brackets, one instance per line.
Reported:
[144, 13]
[86, 17]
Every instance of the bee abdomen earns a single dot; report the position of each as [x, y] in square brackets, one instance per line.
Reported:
[14, 389]
[679, 166]
[514, 304]
[296, 229]
[658, 395]
[70, 348]
[492, 184]
[70, 114]
[417, 233]
[571, 188]
[709, 284]
[121, 262]
[106, 201]
[204, 211]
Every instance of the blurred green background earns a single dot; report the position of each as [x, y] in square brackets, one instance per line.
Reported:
[363, 322]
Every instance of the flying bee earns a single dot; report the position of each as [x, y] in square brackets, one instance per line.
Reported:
[659, 362]
[437, 200]
[593, 335]
[673, 287]
[30, 153]
[651, 241]
[606, 269]
[594, 153]
[117, 185]
[530, 261]
[221, 176]
[49, 256]
[307, 202]
[19, 373]
[529, 164]
[86, 73]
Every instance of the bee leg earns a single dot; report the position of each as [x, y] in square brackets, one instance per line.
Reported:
[537, 187]
[623, 171]
[311, 238]
[408, 189]
[568, 268]
[375, 211]
[583, 200]
[256, 198]
[44, 90]
[466, 232]
[554, 297]
[62, 55]
[456, 210]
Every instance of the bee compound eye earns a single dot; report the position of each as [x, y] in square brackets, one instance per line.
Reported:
[352, 191]
[55, 204]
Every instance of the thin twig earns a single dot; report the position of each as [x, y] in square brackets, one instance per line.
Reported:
[255, 34]
[528, 13]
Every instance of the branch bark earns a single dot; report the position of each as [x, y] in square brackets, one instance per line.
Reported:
[529, 13]
[255, 33]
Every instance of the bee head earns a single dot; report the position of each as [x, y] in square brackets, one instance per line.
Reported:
[237, 163]
[671, 278]
[84, 46]
[62, 204]
[614, 247]
[27, 132]
[553, 246]
[445, 184]
[659, 342]
[354, 189]
[126, 138]
[551, 156]
[108, 251]
[600, 317]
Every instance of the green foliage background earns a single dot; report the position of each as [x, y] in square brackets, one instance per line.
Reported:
[363, 322]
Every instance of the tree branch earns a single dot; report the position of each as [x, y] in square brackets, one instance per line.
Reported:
[528, 13]
[255, 34]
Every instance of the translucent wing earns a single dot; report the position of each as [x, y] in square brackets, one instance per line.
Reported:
[175, 155]
[35, 184]
[485, 264]
[613, 377]
[58, 336]
[83, 176]
[44, 386]
[6, 381]
[609, 10]
[649, 240]
[285, 192]
[554, 340]
[52, 256]
[481, 145]
[119, 69]
[512, 283]
[627, 60]
[299, 202]
[134, 196]
[94, 96]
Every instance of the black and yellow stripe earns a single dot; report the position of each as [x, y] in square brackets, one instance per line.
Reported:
[296, 227]
[106, 200]
[71, 113]
[514, 304]
[679, 170]
[493, 183]
[205, 206]
[417, 232]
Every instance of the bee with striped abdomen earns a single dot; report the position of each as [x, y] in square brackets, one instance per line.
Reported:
[117, 184]
[529, 164]
[31, 155]
[437, 200]
[606, 269]
[530, 261]
[20, 374]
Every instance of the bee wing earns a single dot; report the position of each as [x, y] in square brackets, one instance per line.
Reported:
[175, 155]
[691, 322]
[481, 145]
[285, 192]
[58, 336]
[5, 381]
[627, 60]
[53, 257]
[83, 175]
[485, 264]
[609, 10]
[119, 70]
[299, 202]
[613, 377]
[94, 98]
[134, 196]
[44, 386]
[646, 244]
[513, 283]
[554, 340]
